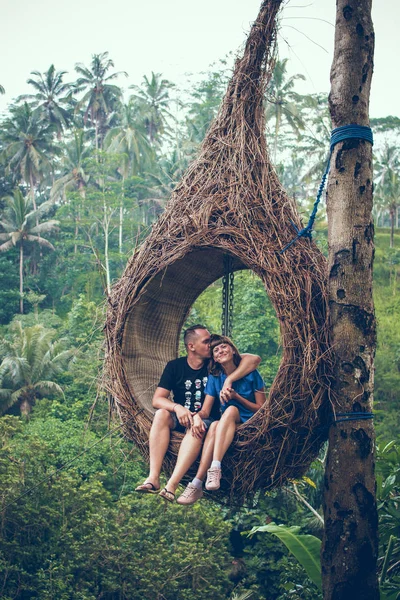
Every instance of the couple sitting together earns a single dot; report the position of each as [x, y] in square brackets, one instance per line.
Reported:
[214, 390]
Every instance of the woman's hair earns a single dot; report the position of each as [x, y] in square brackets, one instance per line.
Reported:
[215, 340]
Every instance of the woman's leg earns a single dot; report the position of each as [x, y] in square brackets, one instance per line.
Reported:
[194, 490]
[208, 450]
[223, 438]
[225, 432]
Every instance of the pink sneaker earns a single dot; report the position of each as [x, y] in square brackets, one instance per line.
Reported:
[190, 495]
[213, 478]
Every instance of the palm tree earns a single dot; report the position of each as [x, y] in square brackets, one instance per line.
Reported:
[100, 98]
[388, 184]
[27, 143]
[50, 93]
[283, 104]
[2, 90]
[129, 141]
[315, 141]
[31, 362]
[21, 226]
[73, 175]
[152, 99]
[72, 167]
[206, 99]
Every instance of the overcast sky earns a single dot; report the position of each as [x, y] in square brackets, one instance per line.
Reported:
[177, 37]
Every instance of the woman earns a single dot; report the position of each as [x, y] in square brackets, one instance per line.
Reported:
[238, 403]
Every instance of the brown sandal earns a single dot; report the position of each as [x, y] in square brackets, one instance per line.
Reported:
[167, 495]
[147, 488]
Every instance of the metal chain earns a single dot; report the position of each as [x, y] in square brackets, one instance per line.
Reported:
[227, 297]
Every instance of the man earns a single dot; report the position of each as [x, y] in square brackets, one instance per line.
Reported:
[186, 378]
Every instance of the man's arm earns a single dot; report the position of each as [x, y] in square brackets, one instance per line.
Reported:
[205, 411]
[161, 400]
[198, 427]
[248, 364]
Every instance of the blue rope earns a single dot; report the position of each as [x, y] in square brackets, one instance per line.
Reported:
[353, 416]
[346, 132]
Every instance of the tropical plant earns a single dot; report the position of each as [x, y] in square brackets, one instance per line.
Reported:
[283, 103]
[205, 101]
[152, 99]
[387, 191]
[72, 168]
[315, 139]
[28, 149]
[21, 226]
[32, 360]
[129, 142]
[50, 95]
[100, 97]
[306, 548]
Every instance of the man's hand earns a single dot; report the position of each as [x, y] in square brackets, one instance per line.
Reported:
[227, 394]
[198, 427]
[184, 416]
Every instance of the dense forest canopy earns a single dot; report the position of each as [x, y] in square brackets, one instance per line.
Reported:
[84, 172]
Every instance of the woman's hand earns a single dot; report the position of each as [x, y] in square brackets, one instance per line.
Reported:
[198, 427]
[183, 415]
[227, 394]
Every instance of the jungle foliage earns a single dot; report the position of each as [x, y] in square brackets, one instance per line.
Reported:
[88, 170]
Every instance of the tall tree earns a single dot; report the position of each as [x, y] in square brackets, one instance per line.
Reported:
[28, 147]
[206, 98]
[20, 226]
[32, 361]
[101, 97]
[152, 99]
[130, 142]
[283, 103]
[50, 94]
[350, 545]
[388, 184]
[72, 167]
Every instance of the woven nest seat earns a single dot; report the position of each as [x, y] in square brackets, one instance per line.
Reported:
[229, 202]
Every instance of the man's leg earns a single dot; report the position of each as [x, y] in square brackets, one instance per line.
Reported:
[160, 434]
[188, 452]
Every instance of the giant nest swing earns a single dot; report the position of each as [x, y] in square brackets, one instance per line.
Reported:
[229, 203]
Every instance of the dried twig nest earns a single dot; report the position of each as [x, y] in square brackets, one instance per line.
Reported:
[229, 201]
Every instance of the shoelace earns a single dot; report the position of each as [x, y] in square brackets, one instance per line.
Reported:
[189, 491]
[213, 475]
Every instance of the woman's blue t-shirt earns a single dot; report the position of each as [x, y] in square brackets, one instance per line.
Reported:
[245, 387]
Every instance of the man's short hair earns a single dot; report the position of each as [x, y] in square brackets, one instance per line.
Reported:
[190, 333]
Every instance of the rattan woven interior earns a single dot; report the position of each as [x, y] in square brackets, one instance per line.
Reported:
[229, 201]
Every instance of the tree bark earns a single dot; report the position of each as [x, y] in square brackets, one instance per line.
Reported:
[21, 279]
[350, 544]
[392, 217]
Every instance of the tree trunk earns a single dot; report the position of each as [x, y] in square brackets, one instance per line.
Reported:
[25, 407]
[392, 217]
[106, 228]
[21, 279]
[121, 216]
[350, 544]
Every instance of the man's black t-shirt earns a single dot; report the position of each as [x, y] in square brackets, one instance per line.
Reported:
[187, 385]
